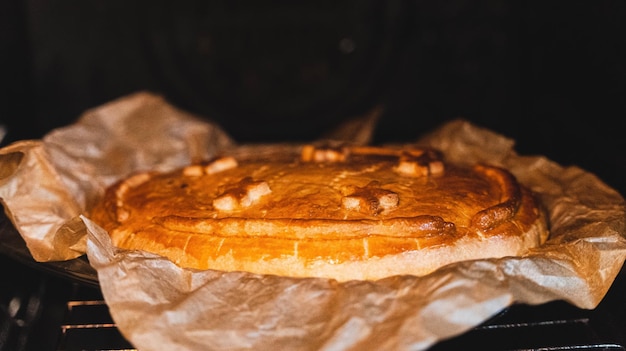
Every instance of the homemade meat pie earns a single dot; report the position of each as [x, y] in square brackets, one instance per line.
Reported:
[352, 212]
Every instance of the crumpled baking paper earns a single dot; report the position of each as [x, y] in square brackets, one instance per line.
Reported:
[47, 187]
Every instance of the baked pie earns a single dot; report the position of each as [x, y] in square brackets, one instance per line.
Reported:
[341, 212]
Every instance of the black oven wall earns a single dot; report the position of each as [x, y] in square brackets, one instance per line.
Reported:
[270, 70]
[551, 75]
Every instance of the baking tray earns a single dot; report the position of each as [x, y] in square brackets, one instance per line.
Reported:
[13, 245]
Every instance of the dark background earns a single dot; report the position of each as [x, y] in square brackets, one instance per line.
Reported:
[550, 74]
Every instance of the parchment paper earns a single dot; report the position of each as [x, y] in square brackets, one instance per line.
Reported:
[48, 185]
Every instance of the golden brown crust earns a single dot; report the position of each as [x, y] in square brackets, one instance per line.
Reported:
[342, 212]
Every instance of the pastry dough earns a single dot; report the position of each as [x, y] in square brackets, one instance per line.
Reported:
[342, 212]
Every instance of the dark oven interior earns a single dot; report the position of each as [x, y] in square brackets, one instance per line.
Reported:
[551, 75]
